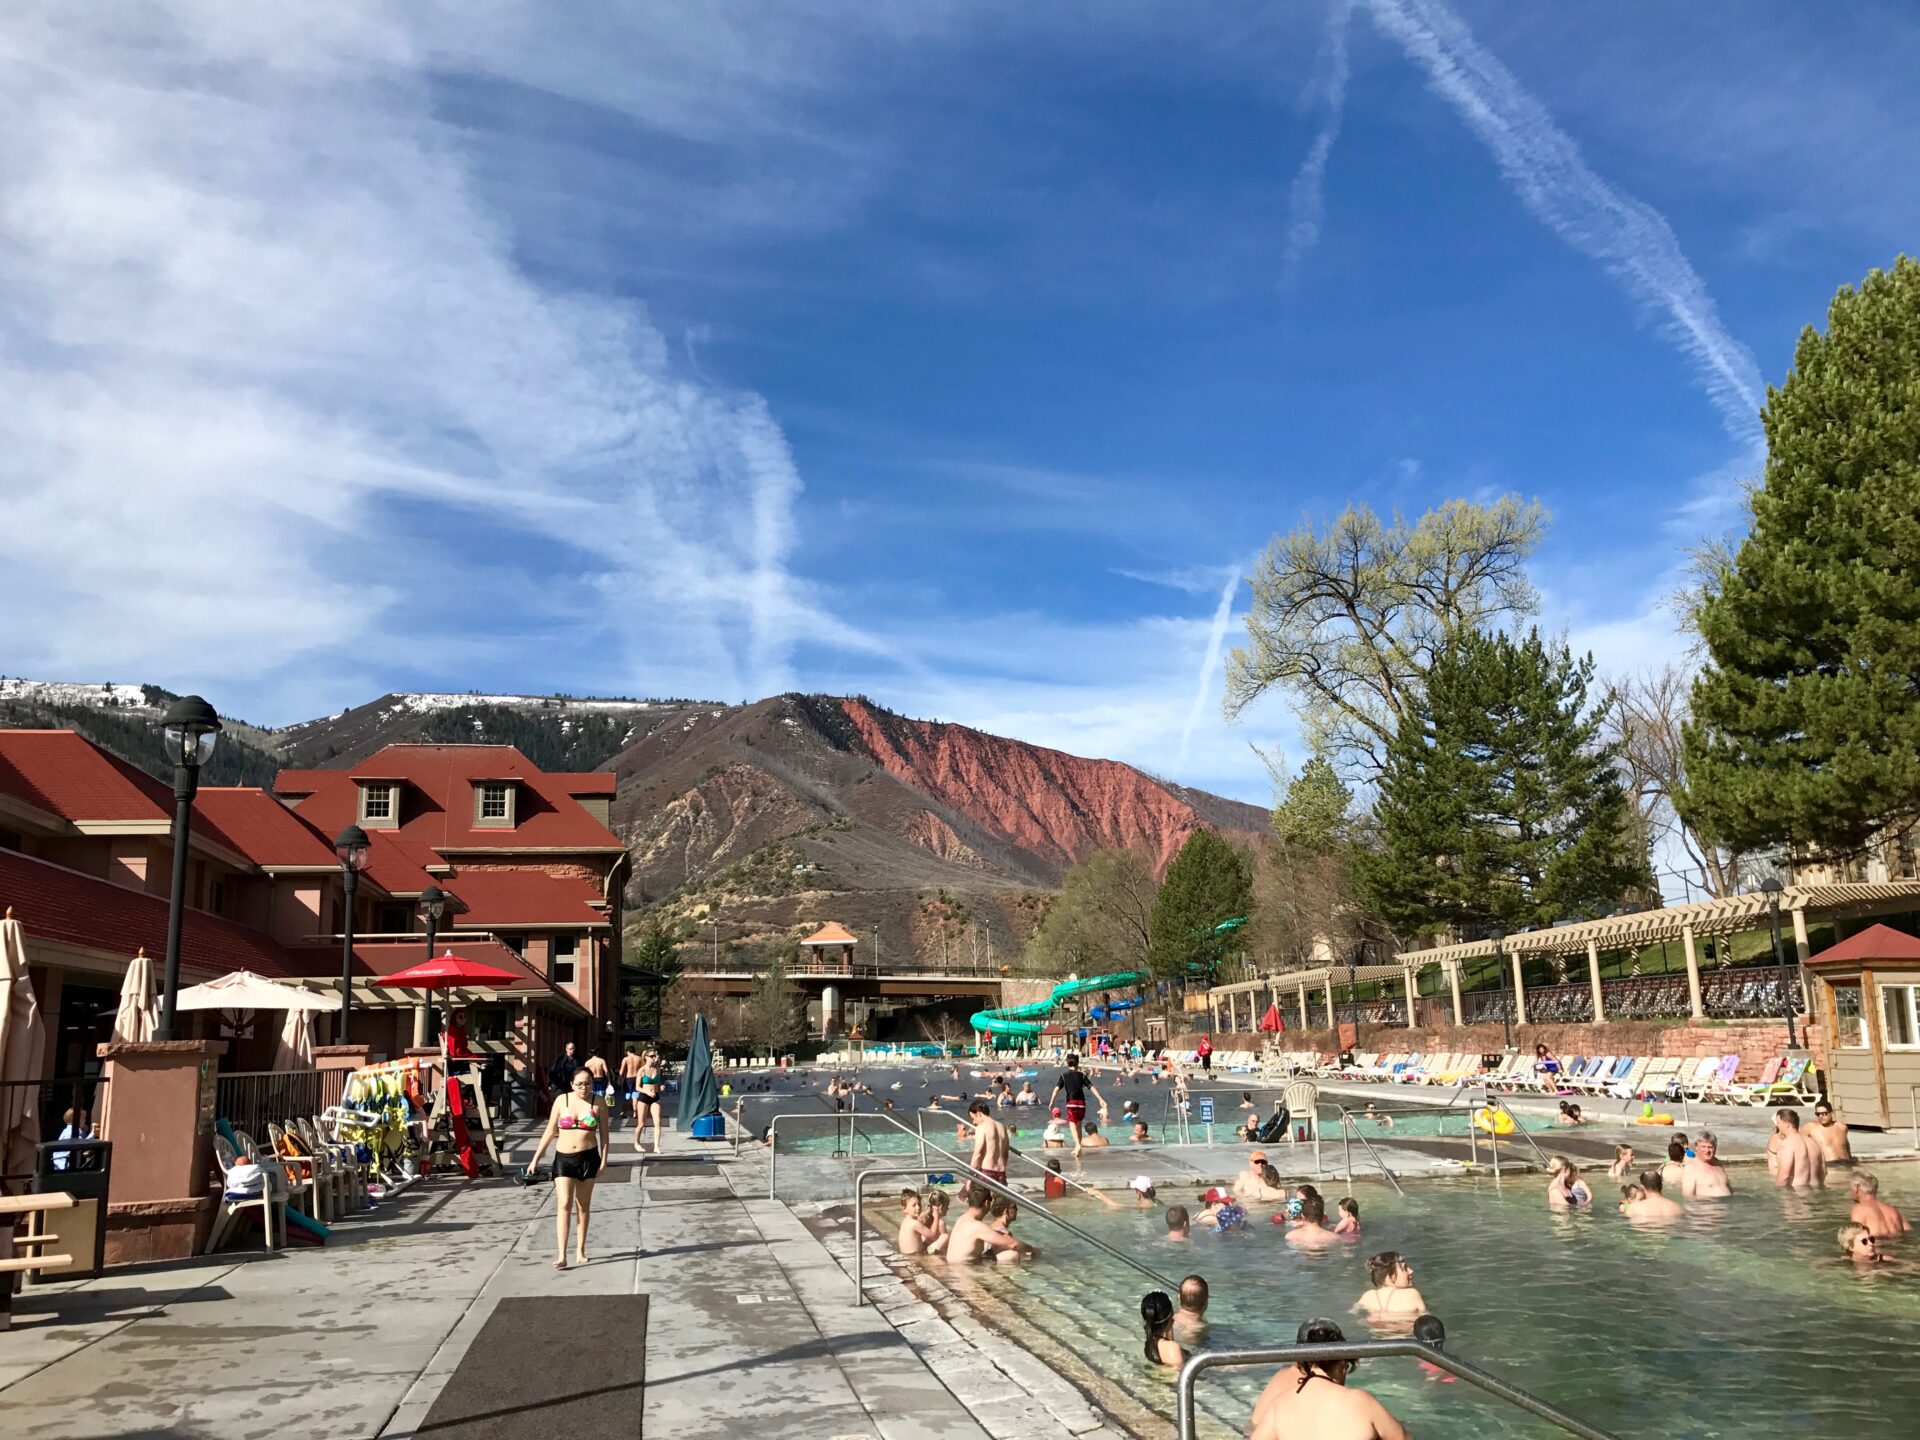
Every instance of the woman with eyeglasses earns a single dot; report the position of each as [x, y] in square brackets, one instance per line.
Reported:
[577, 1130]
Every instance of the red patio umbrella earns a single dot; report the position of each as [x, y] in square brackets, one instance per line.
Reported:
[1271, 1020]
[449, 969]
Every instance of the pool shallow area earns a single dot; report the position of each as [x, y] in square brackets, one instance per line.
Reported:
[1739, 1320]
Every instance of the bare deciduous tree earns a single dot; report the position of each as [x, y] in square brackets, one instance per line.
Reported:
[1648, 715]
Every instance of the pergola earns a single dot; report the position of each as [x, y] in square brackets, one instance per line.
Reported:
[1799, 904]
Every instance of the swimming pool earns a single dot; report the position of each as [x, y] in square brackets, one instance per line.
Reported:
[1738, 1320]
[1427, 1124]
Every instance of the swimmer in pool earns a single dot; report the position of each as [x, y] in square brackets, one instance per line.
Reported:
[1565, 1189]
[1881, 1219]
[1645, 1199]
[1860, 1245]
[1795, 1159]
[1622, 1162]
[914, 1231]
[1704, 1177]
[1312, 1233]
[1313, 1399]
[1393, 1296]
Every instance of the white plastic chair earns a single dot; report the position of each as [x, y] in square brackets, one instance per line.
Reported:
[233, 1206]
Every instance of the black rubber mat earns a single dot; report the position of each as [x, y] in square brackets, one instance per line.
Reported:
[549, 1365]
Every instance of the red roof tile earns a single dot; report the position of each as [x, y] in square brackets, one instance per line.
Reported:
[261, 828]
[527, 897]
[831, 933]
[587, 782]
[400, 868]
[54, 903]
[437, 805]
[65, 774]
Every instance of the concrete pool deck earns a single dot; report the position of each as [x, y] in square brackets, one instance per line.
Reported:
[751, 1331]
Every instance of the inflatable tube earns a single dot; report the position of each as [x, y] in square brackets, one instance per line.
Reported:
[1494, 1122]
[1654, 1120]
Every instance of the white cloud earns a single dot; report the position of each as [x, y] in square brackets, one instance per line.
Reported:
[1210, 660]
[1306, 197]
[270, 356]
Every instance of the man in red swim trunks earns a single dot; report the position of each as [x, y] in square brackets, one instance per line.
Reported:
[1074, 1085]
[989, 1142]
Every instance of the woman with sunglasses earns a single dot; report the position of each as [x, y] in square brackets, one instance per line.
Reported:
[577, 1130]
[1858, 1244]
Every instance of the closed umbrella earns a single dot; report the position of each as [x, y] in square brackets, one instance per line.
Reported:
[23, 1056]
[1271, 1021]
[138, 1016]
[699, 1092]
[295, 1051]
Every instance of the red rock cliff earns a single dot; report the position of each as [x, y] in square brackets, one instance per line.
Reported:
[1057, 806]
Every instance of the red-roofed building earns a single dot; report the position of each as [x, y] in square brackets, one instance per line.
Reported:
[529, 868]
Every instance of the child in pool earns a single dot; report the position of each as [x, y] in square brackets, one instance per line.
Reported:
[1349, 1226]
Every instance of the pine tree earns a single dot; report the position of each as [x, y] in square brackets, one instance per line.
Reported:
[1806, 725]
[1209, 881]
[1501, 802]
[1313, 817]
[773, 1015]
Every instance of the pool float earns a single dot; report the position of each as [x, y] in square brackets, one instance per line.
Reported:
[1494, 1122]
[1647, 1117]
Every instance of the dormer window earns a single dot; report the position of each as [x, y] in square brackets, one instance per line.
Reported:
[380, 804]
[493, 804]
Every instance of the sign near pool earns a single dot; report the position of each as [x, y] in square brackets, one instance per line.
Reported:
[1206, 1110]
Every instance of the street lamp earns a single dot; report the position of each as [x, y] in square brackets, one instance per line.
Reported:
[1771, 888]
[353, 847]
[433, 904]
[1506, 1008]
[190, 728]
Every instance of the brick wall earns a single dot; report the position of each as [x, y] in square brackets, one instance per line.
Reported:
[1755, 1042]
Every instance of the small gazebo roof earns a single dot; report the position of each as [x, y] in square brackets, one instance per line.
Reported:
[1876, 942]
[831, 933]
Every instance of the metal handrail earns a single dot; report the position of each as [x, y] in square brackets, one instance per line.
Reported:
[859, 1226]
[1369, 1349]
[1491, 1101]
[925, 1144]
[1913, 1099]
[1349, 1129]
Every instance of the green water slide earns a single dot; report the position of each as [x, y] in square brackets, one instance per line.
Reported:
[1023, 1022]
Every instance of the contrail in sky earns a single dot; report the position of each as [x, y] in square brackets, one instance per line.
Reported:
[1210, 665]
[1629, 238]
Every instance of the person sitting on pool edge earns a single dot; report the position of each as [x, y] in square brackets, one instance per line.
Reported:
[1190, 1320]
[914, 1231]
[1859, 1244]
[935, 1216]
[1312, 1232]
[1312, 1398]
[1393, 1296]
[1179, 1227]
[1156, 1316]
[1880, 1218]
[1704, 1177]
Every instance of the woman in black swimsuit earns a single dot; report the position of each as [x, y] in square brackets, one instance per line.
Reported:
[647, 1097]
[577, 1130]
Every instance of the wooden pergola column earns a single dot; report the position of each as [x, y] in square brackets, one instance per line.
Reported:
[1453, 984]
[1593, 979]
[1693, 973]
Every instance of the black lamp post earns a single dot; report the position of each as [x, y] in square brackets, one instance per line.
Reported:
[190, 728]
[352, 846]
[1506, 1008]
[1771, 888]
[433, 904]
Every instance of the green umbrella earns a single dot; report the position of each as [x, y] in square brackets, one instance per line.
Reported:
[699, 1094]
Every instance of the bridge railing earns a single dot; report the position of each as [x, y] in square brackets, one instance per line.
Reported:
[850, 970]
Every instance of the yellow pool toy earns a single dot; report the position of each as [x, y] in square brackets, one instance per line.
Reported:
[1494, 1122]
[1654, 1120]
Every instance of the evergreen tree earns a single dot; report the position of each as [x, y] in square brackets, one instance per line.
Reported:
[1209, 881]
[1500, 801]
[1806, 725]
[1313, 817]
[774, 1018]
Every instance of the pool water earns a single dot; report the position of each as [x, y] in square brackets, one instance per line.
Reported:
[1424, 1125]
[1740, 1319]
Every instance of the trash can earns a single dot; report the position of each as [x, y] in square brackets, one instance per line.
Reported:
[84, 1170]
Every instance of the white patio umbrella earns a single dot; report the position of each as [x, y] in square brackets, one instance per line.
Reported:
[23, 1054]
[138, 1016]
[244, 990]
[295, 1051]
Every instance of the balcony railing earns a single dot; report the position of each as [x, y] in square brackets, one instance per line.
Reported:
[851, 969]
[251, 1099]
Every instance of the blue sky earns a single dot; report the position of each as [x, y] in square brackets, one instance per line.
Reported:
[960, 355]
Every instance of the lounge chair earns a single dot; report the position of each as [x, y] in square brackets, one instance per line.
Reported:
[235, 1203]
[1661, 1079]
[1627, 1086]
[1783, 1089]
[1600, 1074]
[1730, 1091]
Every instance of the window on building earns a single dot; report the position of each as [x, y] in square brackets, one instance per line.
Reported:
[565, 948]
[1897, 1007]
[217, 897]
[395, 920]
[376, 802]
[493, 800]
[1849, 1017]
